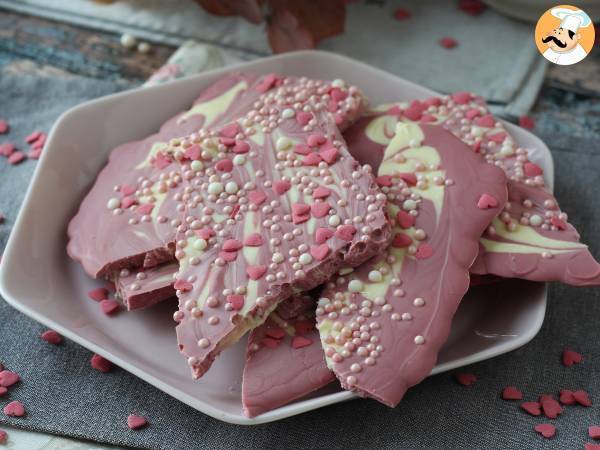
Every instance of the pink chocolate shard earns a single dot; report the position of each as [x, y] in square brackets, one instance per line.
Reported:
[284, 359]
[531, 239]
[141, 288]
[125, 219]
[382, 325]
[233, 288]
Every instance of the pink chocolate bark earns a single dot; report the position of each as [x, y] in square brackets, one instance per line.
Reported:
[141, 288]
[383, 324]
[531, 239]
[278, 206]
[284, 359]
[123, 222]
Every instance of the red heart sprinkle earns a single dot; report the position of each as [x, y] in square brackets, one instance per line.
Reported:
[236, 301]
[258, 197]
[241, 147]
[230, 130]
[544, 397]
[183, 285]
[193, 152]
[227, 142]
[135, 422]
[3, 391]
[14, 409]
[551, 408]
[511, 393]
[527, 122]
[401, 240]
[320, 209]
[161, 161]
[3, 437]
[569, 357]
[460, 98]
[532, 170]
[315, 140]
[594, 431]
[4, 127]
[323, 235]
[275, 333]
[52, 337]
[345, 232]
[303, 117]
[281, 187]
[487, 201]
[8, 378]
[256, 272]
[498, 138]
[532, 408]
[144, 209]
[312, 159]
[300, 209]
[298, 219]
[486, 121]
[224, 165]
[228, 256]
[448, 42]
[109, 307]
[232, 245]
[300, 342]
[33, 137]
[558, 223]
[582, 398]
[254, 240]
[319, 252]
[546, 429]
[591, 446]
[465, 379]
[413, 114]
[424, 251]
[101, 364]
[566, 397]
[98, 294]
[266, 83]
[404, 219]
[16, 157]
[384, 180]
[408, 178]
[329, 155]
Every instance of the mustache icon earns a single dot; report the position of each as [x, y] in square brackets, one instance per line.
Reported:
[555, 40]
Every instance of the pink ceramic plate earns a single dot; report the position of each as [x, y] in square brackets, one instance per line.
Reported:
[39, 279]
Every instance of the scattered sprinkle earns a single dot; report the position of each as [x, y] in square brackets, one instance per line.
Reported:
[582, 398]
[52, 337]
[472, 7]
[532, 408]
[527, 122]
[594, 431]
[98, 294]
[8, 378]
[3, 437]
[3, 391]
[569, 357]
[101, 364]
[16, 157]
[465, 379]
[7, 149]
[144, 47]
[14, 409]
[109, 307]
[546, 429]
[31, 138]
[402, 14]
[135, 422]
[566, 397]
[511, 393]
[448, 42]
[128, 41]
[4, 127]
[551, 408]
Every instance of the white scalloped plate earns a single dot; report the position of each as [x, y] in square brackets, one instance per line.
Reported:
[38, 278]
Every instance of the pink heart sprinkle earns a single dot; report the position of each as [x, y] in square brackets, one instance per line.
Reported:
[300, 342]
[256, 272]
[254, 240]
[144, 209]
[320, 209]
[266, 83]
[302, 149]
[337, 94]
[183, 285]
[591, 446]
[3, 391]
[14, 409]
[101, 364]
[193, 152]
[300, 218]
[232, 245]
[322, 235]
[569, 357]
[401, 240]
[384, 180]
[405, 220]
[558, 223]
[161, 161]
[486, 121]
[281, 187]
[321, 192]
[532, 408]
[228, 256]
[98, 294]
[16, 157]
[345, 232]
[487, 201]
[51, 337]
[424, 251]
[236, 301]
[135, 422]
[315, 140]
[498, 138]
[300, 208]
[227, 142]
[303, 117]
[582, 398]
[408, 178]
[241, 147]
[230, 131]
[329, 155]
[312, 159]
[566, 397]
[31, 138]
[472, 113]
[7, 149]
[465, 379]
[258, 197]
[224, 165]
[462, 98]
[413, 114]
[511, 393]
[551, 408]
[319, 252]
[205, 233]
[594, 431]
[128, 201]
[546, 429]
[8, 378]
[109, 307]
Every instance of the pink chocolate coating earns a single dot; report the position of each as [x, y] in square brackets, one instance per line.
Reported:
[278, 368]
[381, 344]
[104, 242]
[467, 117]
[141, 288]
[299, 208]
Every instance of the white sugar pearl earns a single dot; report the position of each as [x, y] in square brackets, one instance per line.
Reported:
[143, 47]
[305, 258]
[231, 187]
[418, 301]
[215, 188]
[128, 40]
[239, 160]
[113, 203]
[409, 205]
[277, 258]
[288, 113]
[283, 143]
[200, 244]
[334, 220]
[355, 286]
[196, 165]
[419, 340]
[375, 276]
[203, 343]
[338, 83]
[536, 220]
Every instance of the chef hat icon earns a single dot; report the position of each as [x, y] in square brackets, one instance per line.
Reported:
[571, 19]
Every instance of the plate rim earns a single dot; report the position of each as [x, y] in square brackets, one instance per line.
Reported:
[195, 402]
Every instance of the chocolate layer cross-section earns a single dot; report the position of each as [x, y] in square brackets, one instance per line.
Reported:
[284, 359]
[142, 288]
[383, 324]
[121, 222]
[261, 224]
[531, 239]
